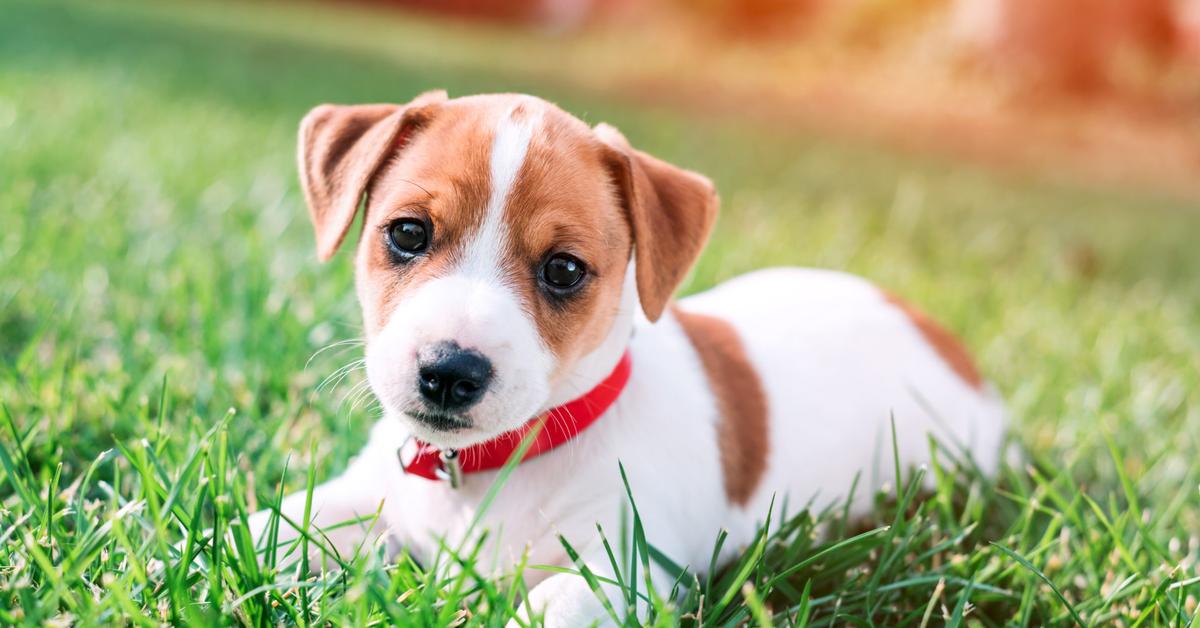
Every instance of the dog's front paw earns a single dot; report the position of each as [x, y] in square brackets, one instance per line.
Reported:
[565, 600]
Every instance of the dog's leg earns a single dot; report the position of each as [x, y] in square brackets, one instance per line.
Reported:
[342, 518]
[567, 600]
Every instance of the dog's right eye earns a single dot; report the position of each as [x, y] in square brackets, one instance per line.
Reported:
[407, 237]
[562, 271]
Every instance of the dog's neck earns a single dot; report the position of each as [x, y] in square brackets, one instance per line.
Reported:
[593, 367]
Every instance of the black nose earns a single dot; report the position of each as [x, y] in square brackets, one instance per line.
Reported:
[453, 378]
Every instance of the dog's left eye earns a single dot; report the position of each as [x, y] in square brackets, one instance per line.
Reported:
[562, 271]
[408, 236]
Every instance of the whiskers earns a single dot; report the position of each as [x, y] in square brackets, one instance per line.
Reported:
[359, 393]
[341, 344]
[336, 378]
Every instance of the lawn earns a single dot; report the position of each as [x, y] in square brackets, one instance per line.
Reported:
[163, 315]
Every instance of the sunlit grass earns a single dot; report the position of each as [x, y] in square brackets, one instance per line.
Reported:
[160, 308]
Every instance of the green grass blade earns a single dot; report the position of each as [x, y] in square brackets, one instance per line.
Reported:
[1042, 576]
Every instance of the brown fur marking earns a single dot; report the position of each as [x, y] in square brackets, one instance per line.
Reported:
[671, 211]
[942, 341]
[341, 148]
[416, 183]
[562, 201]
[743, 431]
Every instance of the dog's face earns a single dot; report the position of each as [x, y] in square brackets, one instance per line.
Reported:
[498, 234]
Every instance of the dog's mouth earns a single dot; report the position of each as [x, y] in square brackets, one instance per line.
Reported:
[439, 421]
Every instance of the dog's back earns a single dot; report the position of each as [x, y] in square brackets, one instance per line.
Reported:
[838, 359]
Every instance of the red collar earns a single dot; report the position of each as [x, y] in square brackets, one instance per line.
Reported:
[559, 425]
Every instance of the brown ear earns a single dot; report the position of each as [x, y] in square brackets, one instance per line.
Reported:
[671, 211]
[341, 148]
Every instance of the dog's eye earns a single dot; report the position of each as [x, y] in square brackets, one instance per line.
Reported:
[408, 236]
[562, 271]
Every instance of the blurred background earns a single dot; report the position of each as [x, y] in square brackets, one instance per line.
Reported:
[1028, 171]
[1104, 88]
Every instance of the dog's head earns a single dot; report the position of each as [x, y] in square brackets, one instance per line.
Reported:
[497, 240]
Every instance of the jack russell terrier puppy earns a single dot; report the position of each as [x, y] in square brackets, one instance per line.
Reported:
[515, 272]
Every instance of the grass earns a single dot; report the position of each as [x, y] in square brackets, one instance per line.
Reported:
[162, 318]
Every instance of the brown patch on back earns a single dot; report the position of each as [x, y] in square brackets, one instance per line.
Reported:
[942, 341]
[742, 432]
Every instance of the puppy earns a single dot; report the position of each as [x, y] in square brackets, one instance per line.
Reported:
[516, 270]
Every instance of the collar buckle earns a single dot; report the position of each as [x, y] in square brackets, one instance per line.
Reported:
[451, 467]
[447, 468]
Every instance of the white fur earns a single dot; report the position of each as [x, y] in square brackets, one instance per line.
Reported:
[595, 366]
[510, 142]
[836, 360]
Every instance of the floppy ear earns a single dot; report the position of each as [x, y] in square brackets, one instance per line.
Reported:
[671, 211]
[341, 148]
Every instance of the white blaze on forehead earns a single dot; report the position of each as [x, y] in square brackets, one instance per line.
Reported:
[510, 143]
